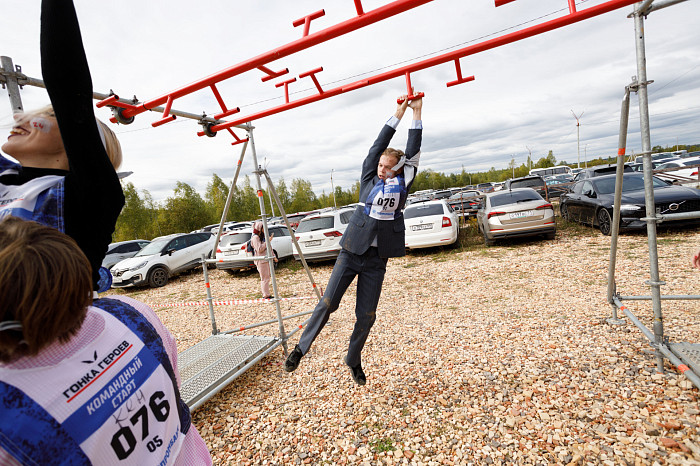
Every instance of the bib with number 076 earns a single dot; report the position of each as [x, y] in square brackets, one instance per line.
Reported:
[383, 201]
[111, 403]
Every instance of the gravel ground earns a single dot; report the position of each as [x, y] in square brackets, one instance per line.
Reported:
[482, 356]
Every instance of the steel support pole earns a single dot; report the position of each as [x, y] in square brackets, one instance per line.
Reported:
[654, 282]
[11, 83]
[621, 148]
[662, 348]
[291, 233]
[214, 331]
[230, 193]
[270, 252]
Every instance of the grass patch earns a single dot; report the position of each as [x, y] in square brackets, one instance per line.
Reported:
[382, 445]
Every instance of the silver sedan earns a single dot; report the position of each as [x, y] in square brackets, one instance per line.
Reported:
[514, 213]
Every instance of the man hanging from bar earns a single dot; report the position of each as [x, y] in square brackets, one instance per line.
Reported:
[376, 232]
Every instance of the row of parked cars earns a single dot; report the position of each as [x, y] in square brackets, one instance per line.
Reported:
[520, 208]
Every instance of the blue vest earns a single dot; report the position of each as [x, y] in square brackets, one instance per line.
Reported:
[126, 406]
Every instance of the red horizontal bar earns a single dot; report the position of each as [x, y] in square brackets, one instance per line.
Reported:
[170, 118]
[466, 51]
[271, 74]
[460, 81]
[306, 21]
[108, 101]
[227, 113]
[358, 22]
[502, 2]
[309, 73]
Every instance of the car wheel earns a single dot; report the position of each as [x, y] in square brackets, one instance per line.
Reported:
[157, 277]
[551, 235]
[564, 212]
[487, 241]
[210, 256]
[604, 222]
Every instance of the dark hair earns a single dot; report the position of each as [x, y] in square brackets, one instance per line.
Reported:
[46, 285]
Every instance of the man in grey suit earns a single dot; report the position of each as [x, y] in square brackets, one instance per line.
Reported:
[376, 232]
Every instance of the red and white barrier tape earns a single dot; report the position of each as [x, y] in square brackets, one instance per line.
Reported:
[231, 302]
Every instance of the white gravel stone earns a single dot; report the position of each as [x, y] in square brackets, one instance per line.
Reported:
[505, 350]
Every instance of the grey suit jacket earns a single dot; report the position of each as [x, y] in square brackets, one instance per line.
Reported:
[362, 228]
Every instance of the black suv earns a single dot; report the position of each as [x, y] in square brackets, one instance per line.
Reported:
[535, 182]
[600, 170]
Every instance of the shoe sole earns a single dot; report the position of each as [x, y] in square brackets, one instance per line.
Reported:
[352, 374]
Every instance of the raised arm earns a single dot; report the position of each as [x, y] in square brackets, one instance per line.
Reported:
[93, 193]
[369, 166]
[68, 82]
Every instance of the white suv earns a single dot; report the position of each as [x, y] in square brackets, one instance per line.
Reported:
[162, 258]
[319, 235]
[231, 254]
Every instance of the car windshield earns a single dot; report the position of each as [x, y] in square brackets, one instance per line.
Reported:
[423, 210]
[629, 183]
[235, 238]
[526, 183]
[315, 224]
[154, 247]
[513, 197]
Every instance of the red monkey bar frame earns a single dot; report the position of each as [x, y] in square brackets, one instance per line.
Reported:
[308, 40]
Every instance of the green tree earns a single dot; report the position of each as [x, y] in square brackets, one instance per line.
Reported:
[303, 197]
[185, 211]
[216, 195]
[283, 194]
[135, 218]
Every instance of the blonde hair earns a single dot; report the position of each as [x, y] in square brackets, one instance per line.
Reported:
[397, 154]
[46, 285]
[112, 146]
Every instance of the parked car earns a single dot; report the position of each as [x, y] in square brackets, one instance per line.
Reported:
[163, 258]
[485, 187]
[686, 170]
[231, 226]
[319, 235]
[535, 182]
[600, 170]
[444, 194]
[515, 213]
[295, 218]
[558, 184]
[658, 157]
[122, 250]
[231, 253]
[416, 199]
[429, 224]
[466, 203]
[591, 201]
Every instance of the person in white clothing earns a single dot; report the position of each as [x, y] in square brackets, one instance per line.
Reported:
[82, 381]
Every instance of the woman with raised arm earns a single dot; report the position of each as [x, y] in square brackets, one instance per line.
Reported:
[66, 177]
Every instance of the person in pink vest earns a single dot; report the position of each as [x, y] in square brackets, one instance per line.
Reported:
[257, 240]
[82, 381]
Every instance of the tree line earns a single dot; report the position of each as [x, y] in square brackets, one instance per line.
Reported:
[186, 210]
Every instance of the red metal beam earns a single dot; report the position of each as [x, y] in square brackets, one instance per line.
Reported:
[358, 22]
[571, 18]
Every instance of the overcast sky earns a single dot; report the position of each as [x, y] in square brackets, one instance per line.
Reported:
[522, 97]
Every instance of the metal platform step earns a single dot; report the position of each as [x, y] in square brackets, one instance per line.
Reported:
[207, 367]
[689, 353]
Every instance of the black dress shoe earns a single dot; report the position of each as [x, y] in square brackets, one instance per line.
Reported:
[293, 359]
[357, 373]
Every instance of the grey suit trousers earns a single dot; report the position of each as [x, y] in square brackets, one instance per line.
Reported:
[369, 269]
